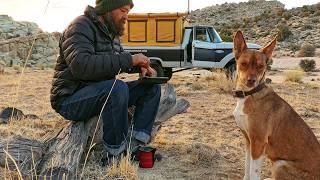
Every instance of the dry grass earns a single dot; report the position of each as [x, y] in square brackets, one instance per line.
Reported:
[220, 81]
[294, 75]
[124, 169]
[203, 143]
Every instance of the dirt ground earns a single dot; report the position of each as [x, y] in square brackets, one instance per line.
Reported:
[202, 143]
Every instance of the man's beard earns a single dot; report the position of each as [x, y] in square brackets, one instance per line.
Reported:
[117, 29]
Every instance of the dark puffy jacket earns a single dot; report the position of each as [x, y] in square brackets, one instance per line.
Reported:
[88, 54]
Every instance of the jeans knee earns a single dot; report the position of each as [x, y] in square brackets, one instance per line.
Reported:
[120, 91]
[156, 89]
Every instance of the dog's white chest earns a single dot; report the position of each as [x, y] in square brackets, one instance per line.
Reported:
[239, 115]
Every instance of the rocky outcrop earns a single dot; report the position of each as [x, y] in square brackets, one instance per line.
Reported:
[261, 20]
[17, 38]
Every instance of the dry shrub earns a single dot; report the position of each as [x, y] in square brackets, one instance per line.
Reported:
[197, 86]
[124, 169]
[307, 50]
[307, 65]
[221, 81]
[284, 32]
[294, 76]
[201, 153]
[17, 68]
[183, 91]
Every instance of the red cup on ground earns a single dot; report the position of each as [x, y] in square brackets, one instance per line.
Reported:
[146, 156]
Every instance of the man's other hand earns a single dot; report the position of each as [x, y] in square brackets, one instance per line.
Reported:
[148, 72]
[140, 60]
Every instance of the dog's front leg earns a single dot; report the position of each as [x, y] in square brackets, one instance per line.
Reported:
[247, 157]
[247, 164]
[256, 159]
[255, 168]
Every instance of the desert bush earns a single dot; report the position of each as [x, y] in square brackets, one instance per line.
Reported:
[226, 35]
[220, 81]
[315, 20]
[307, 65]
[307, 50]
[306, 27]
[17, 68]
[294, 47]
[294, 76]
[284, 32]
[280, 11]
[286, 15]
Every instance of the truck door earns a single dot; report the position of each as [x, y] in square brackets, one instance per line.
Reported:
[206, 51]
[203, 53]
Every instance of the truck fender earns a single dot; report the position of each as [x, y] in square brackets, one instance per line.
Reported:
[226, 60]
[156, 60]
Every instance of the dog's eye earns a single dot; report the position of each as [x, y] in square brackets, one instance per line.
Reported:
[243, 64]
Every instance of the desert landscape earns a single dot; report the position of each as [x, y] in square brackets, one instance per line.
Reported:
[202, 143]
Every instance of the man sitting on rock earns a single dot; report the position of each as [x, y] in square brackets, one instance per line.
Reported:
[90, 58]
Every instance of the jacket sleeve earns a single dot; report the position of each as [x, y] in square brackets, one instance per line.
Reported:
[84, 63]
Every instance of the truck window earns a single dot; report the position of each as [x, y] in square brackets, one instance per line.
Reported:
[202, 35]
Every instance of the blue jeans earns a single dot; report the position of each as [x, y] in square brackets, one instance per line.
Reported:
[88, 101]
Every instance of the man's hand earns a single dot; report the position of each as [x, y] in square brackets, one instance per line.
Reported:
[148, 72]
[140, 60]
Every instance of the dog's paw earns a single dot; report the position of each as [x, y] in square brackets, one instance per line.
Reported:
[269, 179]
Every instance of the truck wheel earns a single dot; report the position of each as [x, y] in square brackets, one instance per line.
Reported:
[158, 68]
[231, 71]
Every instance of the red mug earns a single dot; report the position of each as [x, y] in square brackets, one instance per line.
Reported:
[146, 156]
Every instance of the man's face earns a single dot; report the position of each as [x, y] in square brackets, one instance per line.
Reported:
[117, 19]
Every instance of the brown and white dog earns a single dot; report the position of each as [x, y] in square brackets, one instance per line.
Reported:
[270, 125]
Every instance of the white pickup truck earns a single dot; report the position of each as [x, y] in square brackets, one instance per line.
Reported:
[169, 44]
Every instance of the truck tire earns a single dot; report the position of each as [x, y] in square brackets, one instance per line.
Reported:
[162, 72]
[158, 68]
[231, 70]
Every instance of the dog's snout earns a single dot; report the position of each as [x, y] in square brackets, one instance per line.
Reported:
[251, 81]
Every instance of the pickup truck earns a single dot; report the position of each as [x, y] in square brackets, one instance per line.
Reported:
[170, 44]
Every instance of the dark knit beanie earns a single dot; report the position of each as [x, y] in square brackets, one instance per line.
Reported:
[103, 6]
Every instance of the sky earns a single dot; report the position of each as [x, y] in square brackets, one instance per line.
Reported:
[55, 15]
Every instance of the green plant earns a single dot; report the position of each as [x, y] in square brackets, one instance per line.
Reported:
[284, 32]
[307, 65]
[226, 35]
[286, 15]
[307, 50]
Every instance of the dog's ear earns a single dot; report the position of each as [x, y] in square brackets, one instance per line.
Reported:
[239, 44]
[268, 49]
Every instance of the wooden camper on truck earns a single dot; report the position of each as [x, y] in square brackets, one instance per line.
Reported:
[154, 33]
[169, 44]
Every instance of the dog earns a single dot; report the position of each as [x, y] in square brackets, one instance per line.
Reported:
[270, 126]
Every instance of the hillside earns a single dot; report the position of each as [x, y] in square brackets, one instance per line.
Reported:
[260, 20]
[16, 39]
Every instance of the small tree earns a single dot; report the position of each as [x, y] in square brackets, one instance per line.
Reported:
[284, 32]
[307, 65]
